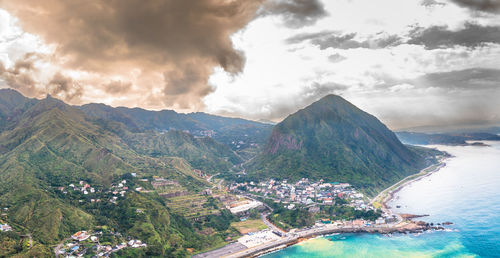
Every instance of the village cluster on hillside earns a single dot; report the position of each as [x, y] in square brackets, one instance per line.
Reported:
[304, 192]
[84, 243]
[95, 195]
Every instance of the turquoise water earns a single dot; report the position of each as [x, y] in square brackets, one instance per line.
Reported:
[466, 192]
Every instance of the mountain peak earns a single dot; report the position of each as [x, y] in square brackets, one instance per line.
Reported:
[332, 139]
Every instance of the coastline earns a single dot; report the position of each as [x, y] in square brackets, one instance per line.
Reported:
[404, 223]
[388, 194]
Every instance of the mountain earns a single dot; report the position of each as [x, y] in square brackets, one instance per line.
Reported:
[48, 145]
[236, 133]
[12, 104]
[333, 140]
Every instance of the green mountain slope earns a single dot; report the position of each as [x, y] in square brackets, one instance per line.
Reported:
[202, 153]
[334, 140]
[54, 145]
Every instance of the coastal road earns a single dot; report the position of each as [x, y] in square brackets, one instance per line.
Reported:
[269, 224]
[264, 215]
[294, 238]
[220, 252]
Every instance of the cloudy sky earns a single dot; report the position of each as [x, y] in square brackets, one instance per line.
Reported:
[410, 63]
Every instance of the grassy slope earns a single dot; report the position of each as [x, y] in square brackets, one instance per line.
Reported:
[54, 145]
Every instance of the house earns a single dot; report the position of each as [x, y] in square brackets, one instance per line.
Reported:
[326, 221]
[358, 223]
[328, 200]
[5, 227]
[80, 236]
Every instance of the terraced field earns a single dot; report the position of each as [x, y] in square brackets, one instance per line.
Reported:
[190, 206]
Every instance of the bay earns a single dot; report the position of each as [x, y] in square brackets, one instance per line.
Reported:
[466, 192]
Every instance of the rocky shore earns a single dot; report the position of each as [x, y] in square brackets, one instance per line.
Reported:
[406, 227]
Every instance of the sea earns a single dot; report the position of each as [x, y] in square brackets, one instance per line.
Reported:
[466, 192]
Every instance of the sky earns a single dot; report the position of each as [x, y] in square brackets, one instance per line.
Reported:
[410, 63]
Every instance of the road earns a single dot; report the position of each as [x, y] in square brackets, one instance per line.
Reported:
[264, 215]
[220, 252]
[59, 246]
[210, 177]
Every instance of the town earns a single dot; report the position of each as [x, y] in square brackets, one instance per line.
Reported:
[304, 192]
[319, 203]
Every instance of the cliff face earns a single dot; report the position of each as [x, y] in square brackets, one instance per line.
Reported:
[279, 140]
[334, 140]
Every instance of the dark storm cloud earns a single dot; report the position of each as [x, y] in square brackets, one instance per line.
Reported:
[332, 39]
[435, 37]
[163, 37]
[64, 87]
[472, 35]
[19, 75]
[492, 6]
[296, 13]
[179, 83]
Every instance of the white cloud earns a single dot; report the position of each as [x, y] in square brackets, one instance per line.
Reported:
[279, 78]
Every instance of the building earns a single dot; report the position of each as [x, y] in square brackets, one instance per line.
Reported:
[5, 227]
[80, 236]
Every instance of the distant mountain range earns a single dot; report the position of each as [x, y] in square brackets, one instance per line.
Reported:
[444, 138]
[480, 127]
[235, 132]
[333, 140]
